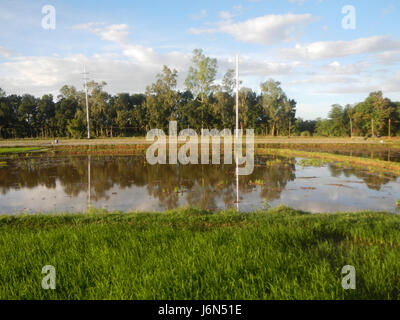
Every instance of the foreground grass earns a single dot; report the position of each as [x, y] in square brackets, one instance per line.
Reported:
[189, 254]
[370, 164]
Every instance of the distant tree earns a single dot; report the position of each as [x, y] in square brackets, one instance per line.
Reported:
[201, 75]
[162, 98]
[276, 105]
[27, 112]
[46, 114]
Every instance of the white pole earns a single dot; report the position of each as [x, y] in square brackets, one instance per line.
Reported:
[237, 95]
[87, 103]
[237, 131]
[89, 186]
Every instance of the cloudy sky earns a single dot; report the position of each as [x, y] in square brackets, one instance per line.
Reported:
[301, 43]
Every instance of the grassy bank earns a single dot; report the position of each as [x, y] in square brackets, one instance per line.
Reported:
[17, 150]
[142, 140]
[370, 164]
[189, 254]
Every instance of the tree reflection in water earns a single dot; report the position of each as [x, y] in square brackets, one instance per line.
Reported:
[202, 186]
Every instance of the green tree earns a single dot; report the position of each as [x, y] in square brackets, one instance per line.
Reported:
[275, 103]
[201, 75]
[162, 98]
[46, 114]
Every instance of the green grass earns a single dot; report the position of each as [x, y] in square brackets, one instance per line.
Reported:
[17, 150]
[312, 163]
[190, 254]
[373, 165]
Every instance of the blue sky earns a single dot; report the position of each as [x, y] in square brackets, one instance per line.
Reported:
[301, 43]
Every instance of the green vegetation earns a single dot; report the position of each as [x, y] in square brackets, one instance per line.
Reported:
[203, 104]
[273, 162]
[257, 182]
[312, 163]
[369, 164]
[17, 150]
[192, 254]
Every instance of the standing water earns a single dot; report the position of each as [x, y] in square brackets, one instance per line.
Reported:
[129, 183]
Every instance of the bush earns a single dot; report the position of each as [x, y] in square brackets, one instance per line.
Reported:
[305, 134]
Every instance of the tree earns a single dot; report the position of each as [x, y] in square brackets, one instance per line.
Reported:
[27, 113]
[77, 126]
[249, 109]
[275, 103]
[45, 114]
[161, 99]
[98, 104]
[381, 111]
[201, 75]
[338, 122]
[222, 110]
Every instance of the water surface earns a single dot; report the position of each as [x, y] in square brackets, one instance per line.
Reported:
[128, 183]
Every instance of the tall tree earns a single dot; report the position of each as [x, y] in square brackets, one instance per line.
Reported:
[274, 102]
[162, 98]
[201, 75]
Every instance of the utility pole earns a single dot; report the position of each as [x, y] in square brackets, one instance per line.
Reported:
[237, 95]
[87, 101]
[237, 132]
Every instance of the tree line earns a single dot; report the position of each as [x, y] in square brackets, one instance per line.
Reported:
[373, 117]
[203, 104]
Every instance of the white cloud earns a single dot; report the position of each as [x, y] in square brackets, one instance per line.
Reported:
[197, 16]
[334, 49]
[41, 75]
[227, 15]
[351, 69]
[5, 52]
[116, 32]
[250, 66]
[324, 79]
[129, 69]
[388, 57]
[265, 30]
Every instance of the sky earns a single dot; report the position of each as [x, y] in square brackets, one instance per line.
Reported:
[319, 50]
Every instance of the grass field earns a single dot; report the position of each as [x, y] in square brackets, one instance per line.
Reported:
[142, 140]
[370, 164]
[17, 150]
[190, 254]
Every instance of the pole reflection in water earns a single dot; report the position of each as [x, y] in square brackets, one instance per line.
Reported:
[237, 185]
[89, 187]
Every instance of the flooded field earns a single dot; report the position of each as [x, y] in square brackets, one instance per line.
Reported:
[128, 183]
[380, 152]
